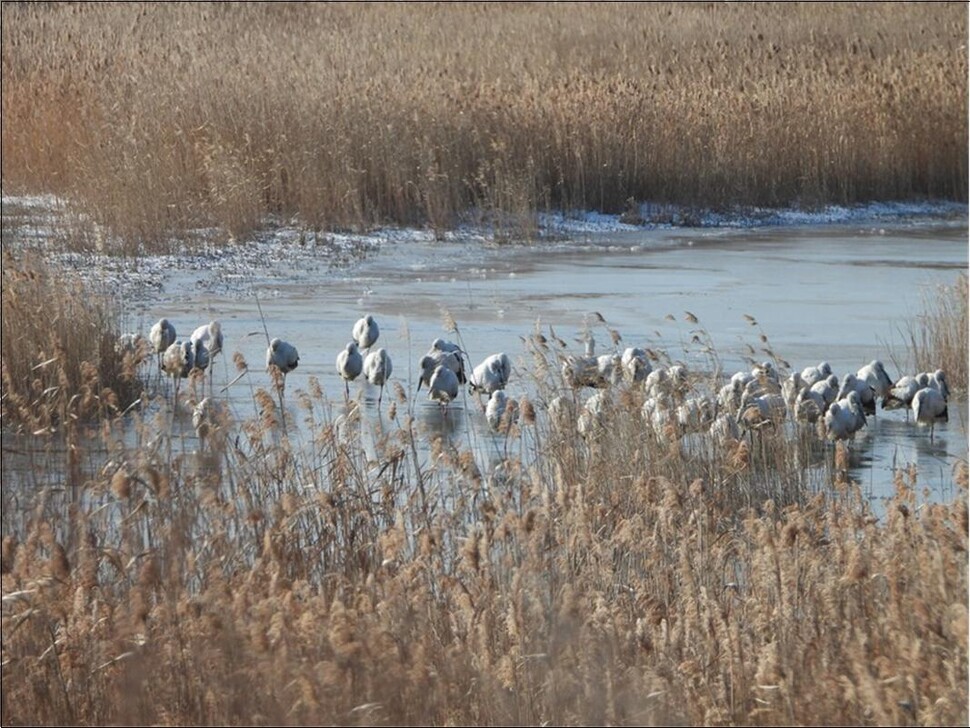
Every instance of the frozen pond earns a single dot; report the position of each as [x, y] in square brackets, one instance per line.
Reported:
[838, 293]
[842, 293]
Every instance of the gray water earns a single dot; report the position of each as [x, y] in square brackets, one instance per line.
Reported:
[843, 294]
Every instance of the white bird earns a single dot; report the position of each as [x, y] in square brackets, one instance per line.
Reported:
[828, 388]
[671, 382]
[936, 380]
[210, 335]
[594, 414]
[501, 411]
[657, 383]
[695, 414]
[132, 347]
[435, 358]
[636, 365]
[609, 369]
[350, 364]
[283, 356]
[492, 374]
[730, 395]
[809, 406]
[588, 370]
[580, 371]
[162, 335]
[765, 369]
[902, 392]
[852, 383]
[366, 332]
[177, 362]
[207, 416]
[845, 417]
[179, 359]
[724, 429]
[811, 375]
[761, 411]
[562, 412]
[377, 369]
[792, 387]
[929, 405]
[656, 412]
[874, 374]
[441, 348]
[443, 385]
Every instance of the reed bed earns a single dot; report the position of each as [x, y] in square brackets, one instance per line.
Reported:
[937, 338]
[61, 354]
[154, 119]
[356, 569]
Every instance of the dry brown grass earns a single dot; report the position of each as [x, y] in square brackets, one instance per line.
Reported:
[158, 118]
[616, 578]
[60, 355]
[937, 339]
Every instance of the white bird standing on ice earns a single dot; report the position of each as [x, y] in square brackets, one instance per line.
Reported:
[845, 417]
[366, 332]
[874, 374]
[283, 356]
[443, 385]
[929, 406]
[162, 335]
[440, 349]
[492, 374]
[350, 364]
[852, 383]
[937, 380]
[209, 334]
[761, 411]
[435, 358]
[377, 369]
[177, 362]
[902, 392]
[501, 412]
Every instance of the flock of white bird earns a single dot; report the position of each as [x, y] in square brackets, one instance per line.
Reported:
[748, 402]
[442, 368]
[751, 400]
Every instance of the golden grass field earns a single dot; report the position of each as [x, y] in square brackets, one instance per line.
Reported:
[158, 118]
[256, 577]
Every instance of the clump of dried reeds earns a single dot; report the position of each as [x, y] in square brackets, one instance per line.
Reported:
[62, 356]
[161, 118]
[937, 338]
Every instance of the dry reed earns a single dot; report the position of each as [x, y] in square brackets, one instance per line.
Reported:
[347, 575]
[157, 118]
[937, 338]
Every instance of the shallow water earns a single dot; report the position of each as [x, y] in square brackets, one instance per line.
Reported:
[838, 293]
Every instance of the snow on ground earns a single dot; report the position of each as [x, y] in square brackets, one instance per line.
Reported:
[289, 252]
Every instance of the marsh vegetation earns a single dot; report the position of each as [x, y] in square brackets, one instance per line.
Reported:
[157, 119]
[303, 561]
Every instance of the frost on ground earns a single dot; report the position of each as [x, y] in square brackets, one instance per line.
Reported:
[286, 251]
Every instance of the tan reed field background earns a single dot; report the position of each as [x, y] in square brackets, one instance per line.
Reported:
[159, 117]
